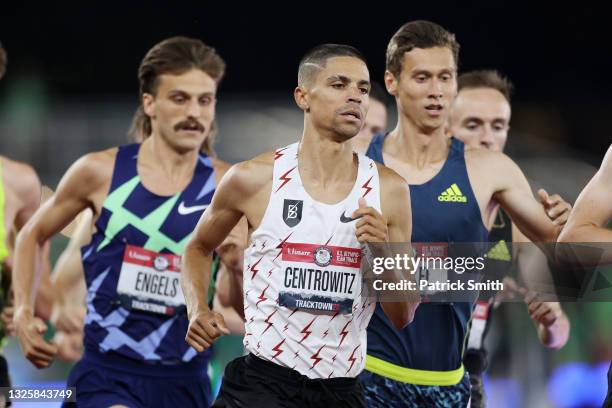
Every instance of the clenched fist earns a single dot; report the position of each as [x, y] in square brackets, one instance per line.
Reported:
[204, 328]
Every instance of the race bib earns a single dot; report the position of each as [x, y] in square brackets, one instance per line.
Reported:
[320, 277]
[151, 282]
[431, 274]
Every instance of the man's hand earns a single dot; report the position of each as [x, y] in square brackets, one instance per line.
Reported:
[544, 313]
[371, 227]
[69, 345]
[68, 318]
[557, 209]
[30, 331]
[204, 328]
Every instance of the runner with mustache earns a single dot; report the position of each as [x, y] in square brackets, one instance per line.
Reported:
[146, 200]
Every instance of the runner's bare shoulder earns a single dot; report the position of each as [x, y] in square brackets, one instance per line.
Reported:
[487, 160]
[391, 182]
[92, 170]
[19, 177]
[252, 176]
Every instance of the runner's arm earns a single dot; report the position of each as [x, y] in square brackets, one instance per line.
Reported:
[74, 193]
[395, 204]
[515, 196]
[593, 210]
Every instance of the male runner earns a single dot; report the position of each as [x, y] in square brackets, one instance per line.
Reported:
[480, 117]
[146, 199]
[454, 193]
[376, 119]
[588, 221]
[306, 308]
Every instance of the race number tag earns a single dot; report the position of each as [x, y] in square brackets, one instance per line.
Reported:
[431, 269]
[320, 277]
[151, 282]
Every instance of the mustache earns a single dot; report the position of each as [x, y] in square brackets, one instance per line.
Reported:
[188, 124]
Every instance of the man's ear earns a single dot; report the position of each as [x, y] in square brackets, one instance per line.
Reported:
[391, 83]
[148, 104]
[301, 96]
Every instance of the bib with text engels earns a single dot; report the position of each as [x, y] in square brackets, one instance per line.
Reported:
[151, 282]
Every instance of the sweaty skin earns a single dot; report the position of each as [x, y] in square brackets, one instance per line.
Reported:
[166, 162]
[593, 211]
[480, 118]
[328, 170]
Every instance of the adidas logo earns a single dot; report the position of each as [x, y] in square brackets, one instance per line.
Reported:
[500, 252]
[453, 194]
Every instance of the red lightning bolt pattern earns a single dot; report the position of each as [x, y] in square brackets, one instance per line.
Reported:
[285, 179]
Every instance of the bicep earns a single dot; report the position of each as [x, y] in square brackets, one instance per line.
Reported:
[72, 196]
[515, 196]
[219, 218]
[593, 205]
[30, 199]
[399, 213]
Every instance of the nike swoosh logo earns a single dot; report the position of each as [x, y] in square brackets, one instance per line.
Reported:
[188, 210]
[345, 219]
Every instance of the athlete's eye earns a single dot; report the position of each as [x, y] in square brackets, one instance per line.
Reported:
[472, 126]
[421, 78]
[178, 99]
[446, 77]
[206, 100]
[364, 91]
[338, 85]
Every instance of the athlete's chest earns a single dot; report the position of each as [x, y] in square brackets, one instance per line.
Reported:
[412, 174]
[134, 214]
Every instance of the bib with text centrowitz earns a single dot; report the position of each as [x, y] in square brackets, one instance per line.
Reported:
[320, 277]
[151, 281]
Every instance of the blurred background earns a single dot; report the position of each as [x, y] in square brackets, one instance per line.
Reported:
[71, 88]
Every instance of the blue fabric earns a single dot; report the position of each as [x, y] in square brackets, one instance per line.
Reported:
[134, 334]
[434, 340]
[381, 392]
[100, 383]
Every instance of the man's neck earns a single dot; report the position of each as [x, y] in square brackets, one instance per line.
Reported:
[176, 165]
[416, 146]
[323, 159]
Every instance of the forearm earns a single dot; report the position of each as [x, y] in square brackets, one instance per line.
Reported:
[68, 282]
[399, 305]
[196, 277]
[234, 322]
[27, 271]
[556, 335]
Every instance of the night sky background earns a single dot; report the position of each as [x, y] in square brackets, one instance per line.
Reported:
[557, 54]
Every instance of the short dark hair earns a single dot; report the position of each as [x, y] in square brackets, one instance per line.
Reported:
[378, 92]
[316, 58]
[486, 78]
[3, 61]
[175, 55]
[418, 34]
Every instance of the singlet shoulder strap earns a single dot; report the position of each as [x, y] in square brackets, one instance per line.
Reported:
[125, 164]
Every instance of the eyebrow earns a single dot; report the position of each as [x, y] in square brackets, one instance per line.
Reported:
[478, 119]
[345, 79]
[430, 72]
[180, 91]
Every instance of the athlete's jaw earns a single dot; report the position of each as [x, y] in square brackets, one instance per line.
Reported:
[348, 121]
